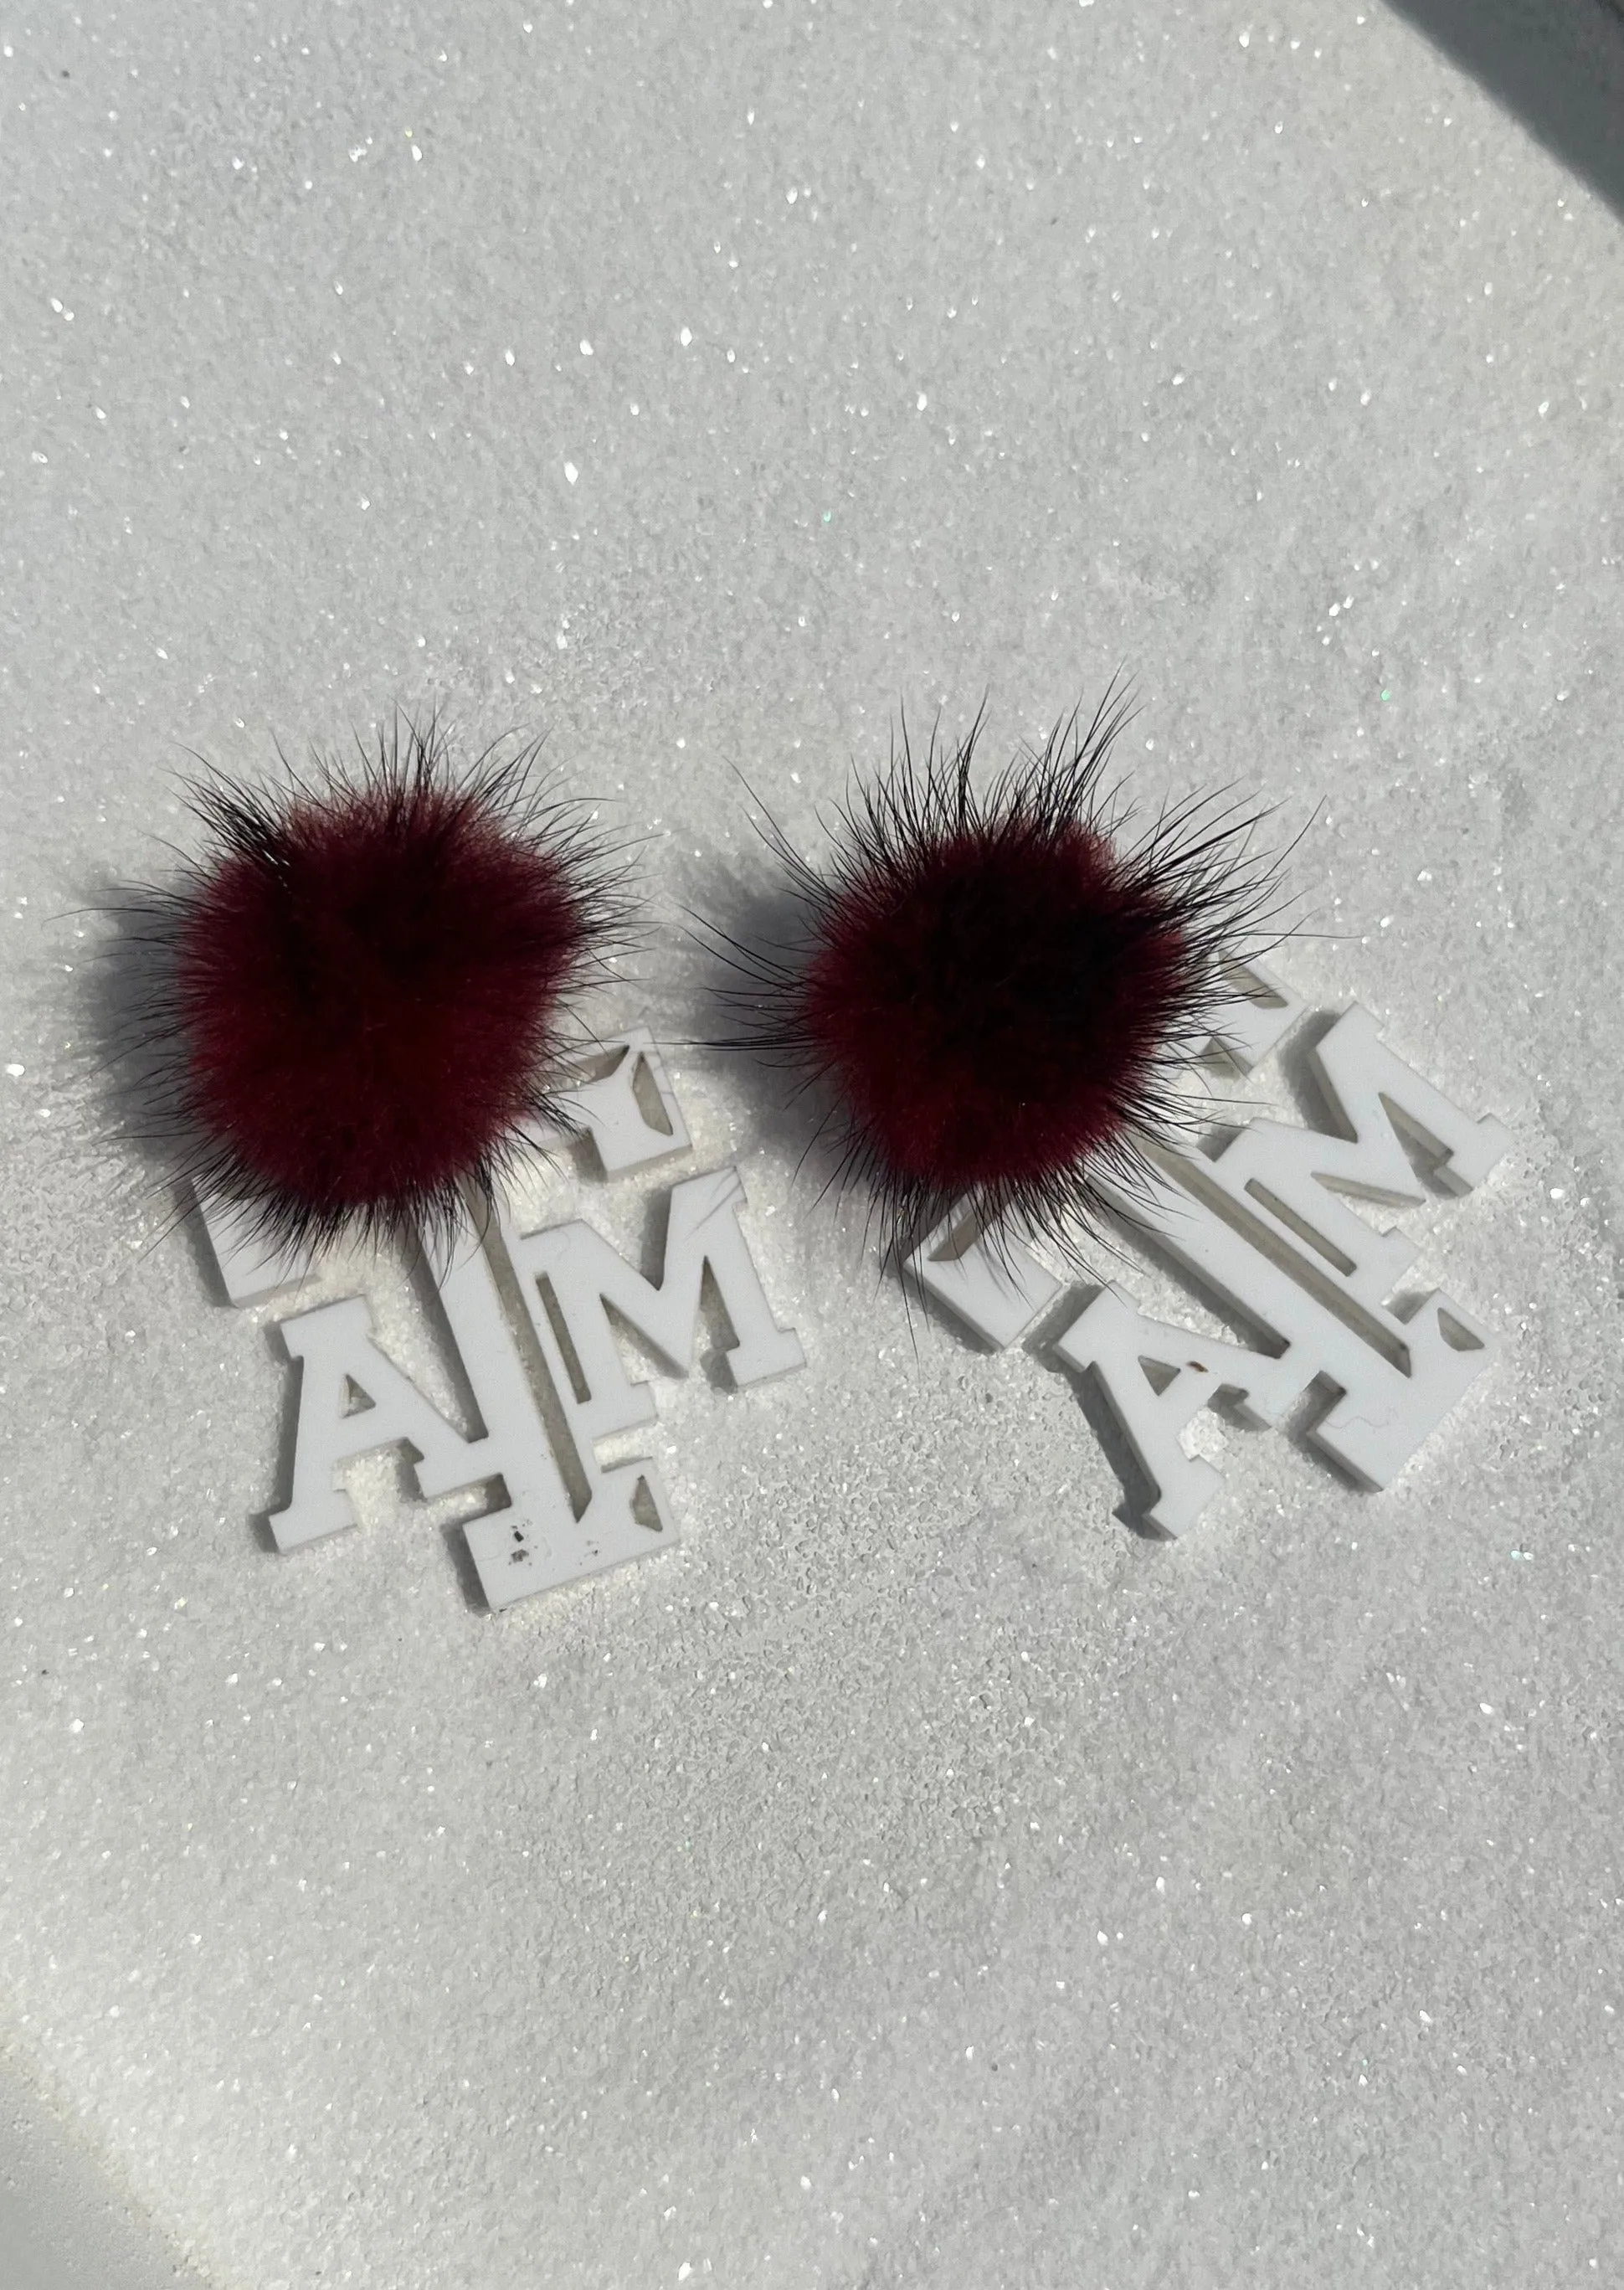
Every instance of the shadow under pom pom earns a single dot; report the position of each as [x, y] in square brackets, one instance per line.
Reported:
[995, 996]
[351, 1012]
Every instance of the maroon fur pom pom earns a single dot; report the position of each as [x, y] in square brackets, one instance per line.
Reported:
[993, 993]
[357, 999]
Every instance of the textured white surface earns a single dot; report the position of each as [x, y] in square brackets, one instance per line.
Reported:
[915, 1880]
[62, 2227]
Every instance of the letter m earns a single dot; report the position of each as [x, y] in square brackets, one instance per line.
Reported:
[572, 1276]
[1289, 1178]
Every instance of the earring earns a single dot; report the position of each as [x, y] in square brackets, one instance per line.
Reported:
[994, 991]
[352, 1006]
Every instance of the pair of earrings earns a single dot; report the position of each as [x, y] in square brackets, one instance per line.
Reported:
[356, 1003]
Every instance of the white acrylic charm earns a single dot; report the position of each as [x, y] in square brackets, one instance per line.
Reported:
[562, 1513]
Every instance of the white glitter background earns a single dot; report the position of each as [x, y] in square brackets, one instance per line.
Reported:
[915, 1880]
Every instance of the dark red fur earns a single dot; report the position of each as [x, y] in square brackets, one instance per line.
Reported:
[995, 993]
[991, 1003]
[365, 985]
